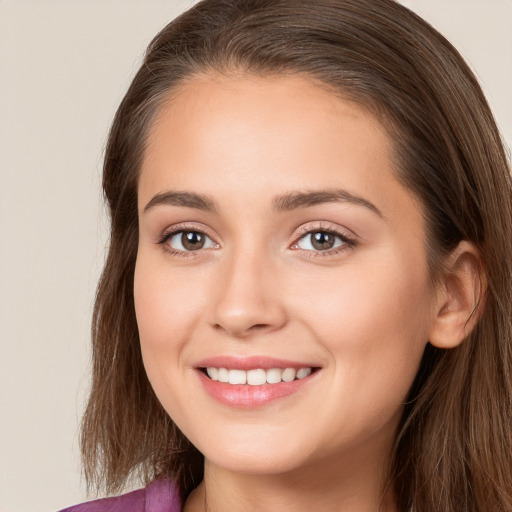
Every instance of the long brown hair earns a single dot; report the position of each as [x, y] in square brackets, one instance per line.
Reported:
[454, 447]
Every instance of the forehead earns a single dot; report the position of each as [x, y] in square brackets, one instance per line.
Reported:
[219, 134]
[250, 104]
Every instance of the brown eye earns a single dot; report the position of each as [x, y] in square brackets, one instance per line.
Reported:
[321, 241]
[187, 241]
[192, 240]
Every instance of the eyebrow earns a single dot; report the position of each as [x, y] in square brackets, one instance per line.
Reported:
[295, 200]
[286, 202]
[186, 199]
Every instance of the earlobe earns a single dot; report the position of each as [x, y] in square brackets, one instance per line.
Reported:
[460, 299]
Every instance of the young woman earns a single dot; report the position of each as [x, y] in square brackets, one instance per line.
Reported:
[307, 300]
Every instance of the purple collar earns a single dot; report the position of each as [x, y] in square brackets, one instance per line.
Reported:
[159, 496]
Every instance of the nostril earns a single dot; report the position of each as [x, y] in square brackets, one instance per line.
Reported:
[239, 331]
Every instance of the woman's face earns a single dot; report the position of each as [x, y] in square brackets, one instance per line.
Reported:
[278, 248]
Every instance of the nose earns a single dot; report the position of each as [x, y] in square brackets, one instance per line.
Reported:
[249, 300]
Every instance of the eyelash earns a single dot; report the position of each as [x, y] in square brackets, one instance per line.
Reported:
[167, 235]
[348, 242]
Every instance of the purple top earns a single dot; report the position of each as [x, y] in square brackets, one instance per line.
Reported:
[158, 496]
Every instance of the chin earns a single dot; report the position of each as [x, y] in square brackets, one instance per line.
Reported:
[264, 455]
[251, 464]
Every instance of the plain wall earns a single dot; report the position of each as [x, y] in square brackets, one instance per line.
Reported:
[64, 66]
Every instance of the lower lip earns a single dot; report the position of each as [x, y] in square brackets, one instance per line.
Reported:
[245, 396]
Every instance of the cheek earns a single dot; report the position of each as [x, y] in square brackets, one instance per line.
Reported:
[166, 300]
[165, 305]
[374, 322]
[368, 302]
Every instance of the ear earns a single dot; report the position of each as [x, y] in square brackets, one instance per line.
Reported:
[460, 299]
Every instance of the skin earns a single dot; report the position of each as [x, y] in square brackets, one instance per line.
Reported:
[361, 312]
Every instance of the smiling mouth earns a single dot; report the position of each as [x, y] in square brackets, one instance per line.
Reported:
[258, 376]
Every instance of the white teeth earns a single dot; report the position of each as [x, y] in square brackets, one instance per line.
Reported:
[257, 377]
[289, 374]
[274, 375]
[237, 376]
[223, 375]
[213, 373]
[303, 372]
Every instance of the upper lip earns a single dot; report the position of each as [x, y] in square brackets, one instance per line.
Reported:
[251, 363]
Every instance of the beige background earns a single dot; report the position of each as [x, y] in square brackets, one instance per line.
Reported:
[64, 65]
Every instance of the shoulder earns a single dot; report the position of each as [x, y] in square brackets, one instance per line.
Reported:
[159, 496]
